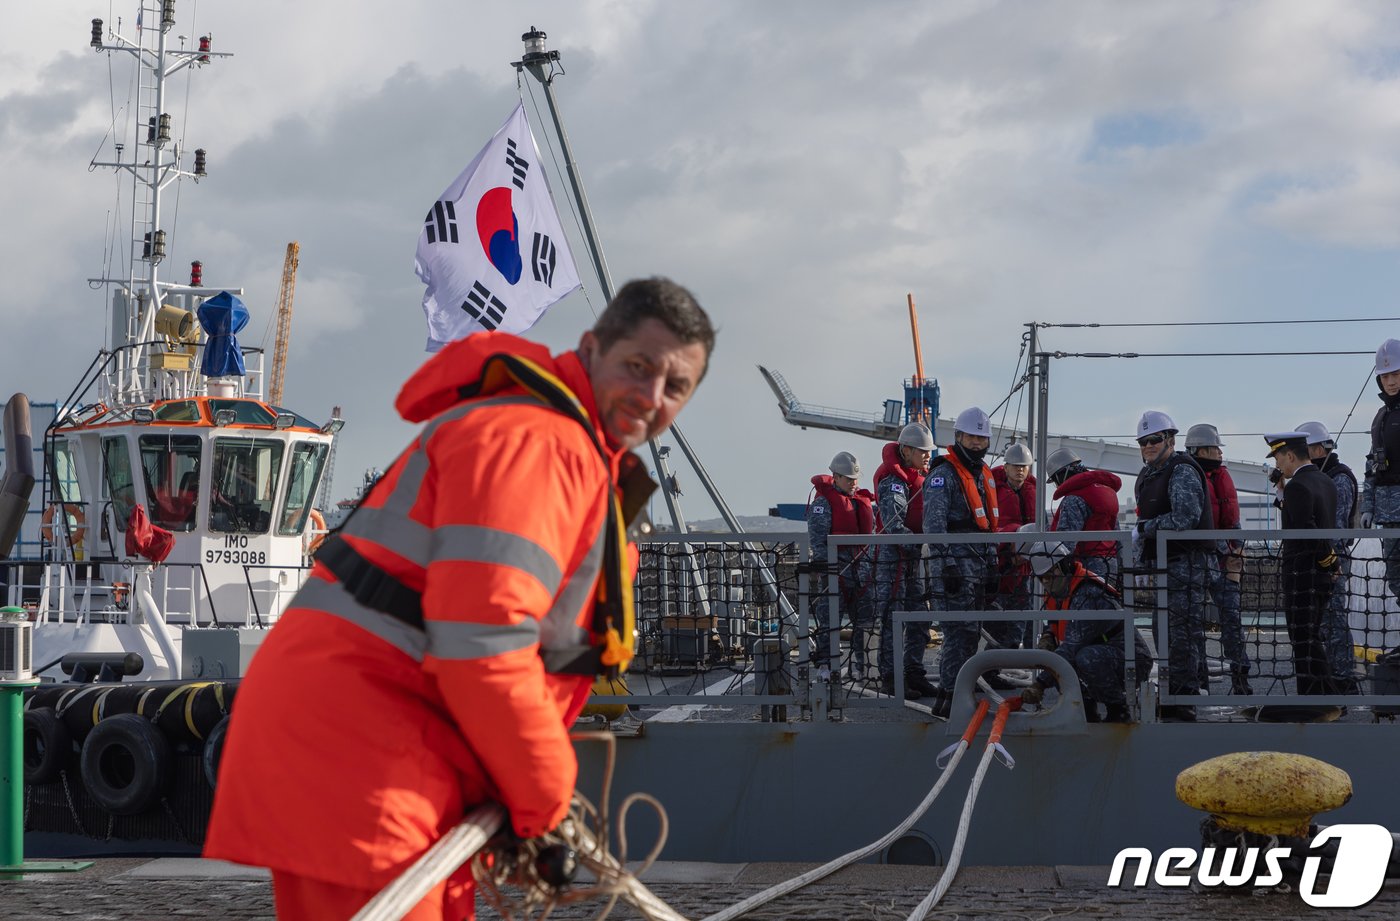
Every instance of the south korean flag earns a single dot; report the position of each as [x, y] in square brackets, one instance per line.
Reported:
[492, 252]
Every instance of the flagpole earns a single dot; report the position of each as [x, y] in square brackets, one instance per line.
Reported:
[536, 59]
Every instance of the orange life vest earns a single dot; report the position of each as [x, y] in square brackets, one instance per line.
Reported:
[1061, 604]
[984, 510]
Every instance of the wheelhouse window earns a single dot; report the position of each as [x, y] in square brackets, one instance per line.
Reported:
[116, 473]
[178, 411]
[245, 412]
[171, 467]
[244, 484]
[63, 466]
[308, 459]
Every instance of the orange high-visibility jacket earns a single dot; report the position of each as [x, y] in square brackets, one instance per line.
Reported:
[356, 739]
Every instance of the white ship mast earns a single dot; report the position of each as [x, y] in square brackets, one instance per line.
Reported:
[151, 350]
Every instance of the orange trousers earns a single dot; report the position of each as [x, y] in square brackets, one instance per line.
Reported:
[299, 898]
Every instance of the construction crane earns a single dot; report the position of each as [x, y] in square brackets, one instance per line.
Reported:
[284, 322]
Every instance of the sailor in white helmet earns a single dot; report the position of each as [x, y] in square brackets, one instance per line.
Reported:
[1203, 443]
[839, 506]
[960, 497]
[1336, 630]
[1380, 495]
[1171, 496]
[1087, 501]
[899, 582]
[1016, 505]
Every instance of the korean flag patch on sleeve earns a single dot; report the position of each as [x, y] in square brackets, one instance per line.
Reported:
[935, 482]
[897, 487]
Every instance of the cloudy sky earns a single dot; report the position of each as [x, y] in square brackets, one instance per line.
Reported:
[800, 166]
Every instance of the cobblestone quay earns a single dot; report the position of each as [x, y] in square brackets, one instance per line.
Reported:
[150, 890]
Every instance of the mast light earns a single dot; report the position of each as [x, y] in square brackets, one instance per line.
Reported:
[205, 42]
[163, 132]
[97, 34]
[154, 246]
[167, 14]
[535, 52]
[196, 272]
[199, 163]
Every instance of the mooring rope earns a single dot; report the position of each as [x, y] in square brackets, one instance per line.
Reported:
[951, 755]
[994, 747]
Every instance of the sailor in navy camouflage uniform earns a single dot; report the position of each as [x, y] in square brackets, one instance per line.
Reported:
[1171, 496]
[1227, 563]
[899, 582]
[839, 507]
[1380, 496]
[1088, 501]
[1093, 647]
[1336, 629]
[960, 497]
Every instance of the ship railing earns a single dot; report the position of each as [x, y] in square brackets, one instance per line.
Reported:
[1362, 616]
[278, 594]
[1346, 644]
[140, 373]
[65, 591]
[183, 593]
[864, 573]
[719, 616]
[101, 591]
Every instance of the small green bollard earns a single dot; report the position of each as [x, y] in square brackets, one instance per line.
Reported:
[12, 862]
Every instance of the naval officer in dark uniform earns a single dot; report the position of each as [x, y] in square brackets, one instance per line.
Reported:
[1310, 565]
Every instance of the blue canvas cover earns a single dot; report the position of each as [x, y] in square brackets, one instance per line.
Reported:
[222, 316]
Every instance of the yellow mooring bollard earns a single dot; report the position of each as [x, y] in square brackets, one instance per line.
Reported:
[1267, 793]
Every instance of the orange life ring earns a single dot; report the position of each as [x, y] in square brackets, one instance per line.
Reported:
[317, 522]
[74, 512]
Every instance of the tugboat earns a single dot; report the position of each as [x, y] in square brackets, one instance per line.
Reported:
[177, 499]
[178, 516]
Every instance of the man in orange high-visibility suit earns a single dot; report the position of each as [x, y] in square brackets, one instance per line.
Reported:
[450, 631]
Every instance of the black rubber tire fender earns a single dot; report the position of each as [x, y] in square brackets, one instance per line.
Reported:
[47, 745]
[125, 764]
[213, 752]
